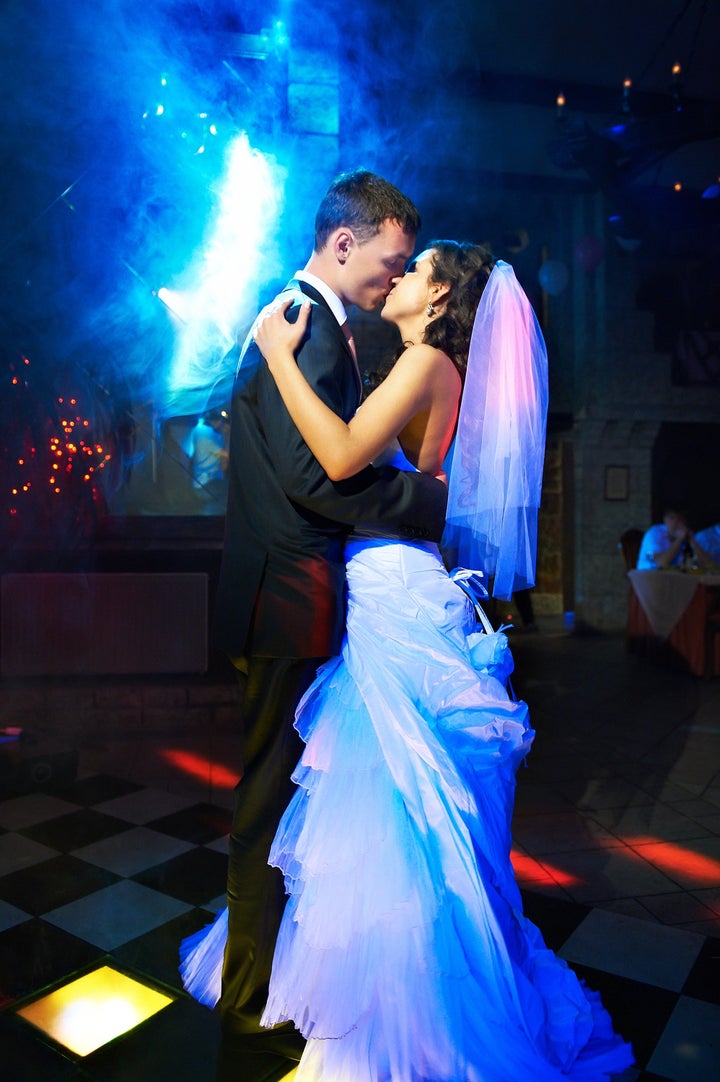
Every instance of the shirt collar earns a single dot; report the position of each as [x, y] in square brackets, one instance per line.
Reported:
[334, 303]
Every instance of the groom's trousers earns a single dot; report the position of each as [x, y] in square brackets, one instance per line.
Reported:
[256, 897]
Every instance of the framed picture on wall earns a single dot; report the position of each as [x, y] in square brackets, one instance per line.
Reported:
[617, 482]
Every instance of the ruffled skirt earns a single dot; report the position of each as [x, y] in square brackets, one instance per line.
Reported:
[404, 955]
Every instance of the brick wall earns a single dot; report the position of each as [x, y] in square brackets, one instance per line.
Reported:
[83, 709]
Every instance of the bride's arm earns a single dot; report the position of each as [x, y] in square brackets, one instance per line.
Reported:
[342, 449]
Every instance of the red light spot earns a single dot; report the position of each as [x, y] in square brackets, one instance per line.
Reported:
[677, 861]
[204, 769]
[529, 870]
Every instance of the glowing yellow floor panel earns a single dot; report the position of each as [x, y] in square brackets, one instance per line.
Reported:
[92, 1010]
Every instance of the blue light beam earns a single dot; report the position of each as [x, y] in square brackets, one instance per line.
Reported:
[218, 298]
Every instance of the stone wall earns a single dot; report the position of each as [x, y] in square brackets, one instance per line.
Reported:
[548, 596]
[624, 393]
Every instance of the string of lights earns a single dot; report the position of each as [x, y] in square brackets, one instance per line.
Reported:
[49, 455]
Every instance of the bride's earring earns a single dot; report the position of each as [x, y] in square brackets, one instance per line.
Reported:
[430, 309]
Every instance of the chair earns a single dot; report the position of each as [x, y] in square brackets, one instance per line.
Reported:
[630, 542]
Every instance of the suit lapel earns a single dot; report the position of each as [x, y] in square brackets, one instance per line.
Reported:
[301, 288]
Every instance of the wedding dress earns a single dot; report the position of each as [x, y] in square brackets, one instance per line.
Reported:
[404, 954]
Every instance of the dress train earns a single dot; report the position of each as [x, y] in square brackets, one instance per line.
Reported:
[404, 954]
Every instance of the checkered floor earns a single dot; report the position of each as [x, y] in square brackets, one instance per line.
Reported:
[617, 836]
[108, 868]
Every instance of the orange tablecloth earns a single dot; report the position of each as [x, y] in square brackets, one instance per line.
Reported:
[679, 629]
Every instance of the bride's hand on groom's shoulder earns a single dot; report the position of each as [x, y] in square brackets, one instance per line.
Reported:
[275, 337]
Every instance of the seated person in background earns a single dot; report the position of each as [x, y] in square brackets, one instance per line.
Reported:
[671, 543]
[709, 540]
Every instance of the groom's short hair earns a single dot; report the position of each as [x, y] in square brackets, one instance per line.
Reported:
[363, 201]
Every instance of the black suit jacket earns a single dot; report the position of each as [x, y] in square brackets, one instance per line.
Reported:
[282, 579]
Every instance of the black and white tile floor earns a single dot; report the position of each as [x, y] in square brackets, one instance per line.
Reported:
[123, 863]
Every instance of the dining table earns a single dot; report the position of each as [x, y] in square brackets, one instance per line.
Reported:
[668, 613]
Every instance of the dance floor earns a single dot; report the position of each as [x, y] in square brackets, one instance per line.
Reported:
[617, 849]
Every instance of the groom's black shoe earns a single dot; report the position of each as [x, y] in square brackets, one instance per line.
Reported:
[241, 1027]
[281, 1040]
[235, 1064]
[263, 1055]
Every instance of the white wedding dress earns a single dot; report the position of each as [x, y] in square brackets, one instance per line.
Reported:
[404, 955]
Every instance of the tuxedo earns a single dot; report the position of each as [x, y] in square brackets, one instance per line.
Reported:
[281, 606]
[281, 587]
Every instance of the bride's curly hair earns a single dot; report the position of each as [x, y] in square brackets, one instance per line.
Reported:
[465, 268]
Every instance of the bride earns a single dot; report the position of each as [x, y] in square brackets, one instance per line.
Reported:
[404, 954]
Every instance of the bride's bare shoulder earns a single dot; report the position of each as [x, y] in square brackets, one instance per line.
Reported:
[424, 354]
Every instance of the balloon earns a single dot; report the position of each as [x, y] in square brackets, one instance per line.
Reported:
[589, 253]
[553, 276]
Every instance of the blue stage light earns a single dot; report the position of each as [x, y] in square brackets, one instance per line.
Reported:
[217, 294]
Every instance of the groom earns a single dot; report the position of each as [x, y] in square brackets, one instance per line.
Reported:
[280, 605]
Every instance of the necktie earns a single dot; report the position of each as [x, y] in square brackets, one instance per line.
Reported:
[350, 340]
[345, 328]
